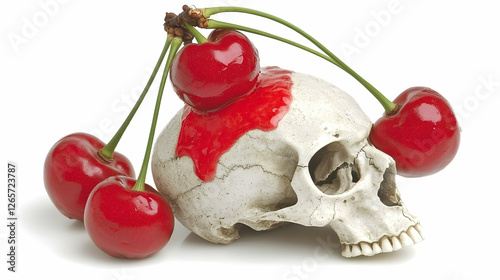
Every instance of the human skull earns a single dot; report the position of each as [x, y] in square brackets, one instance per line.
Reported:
[316, 168]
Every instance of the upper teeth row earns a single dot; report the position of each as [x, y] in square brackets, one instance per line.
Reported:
[386, 244]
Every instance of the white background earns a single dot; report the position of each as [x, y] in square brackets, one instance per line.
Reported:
[69, 66]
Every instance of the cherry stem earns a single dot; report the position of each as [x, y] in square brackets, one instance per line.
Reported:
[141, 179]
[106, 153]
[386, 103]
[197, 35]
[214, 24]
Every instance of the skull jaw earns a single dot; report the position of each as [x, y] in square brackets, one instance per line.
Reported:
[371, 235]
[386, 244]
[370, 218]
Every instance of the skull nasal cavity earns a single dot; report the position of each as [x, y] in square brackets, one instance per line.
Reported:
[332, 170]
[388, 192]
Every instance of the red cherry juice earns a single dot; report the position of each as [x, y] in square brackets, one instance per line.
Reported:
[206, 136]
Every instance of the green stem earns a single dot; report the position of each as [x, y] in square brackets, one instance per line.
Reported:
[386, 103]
[214, 24]
[141, 178]
[107, 151]
[197, 35]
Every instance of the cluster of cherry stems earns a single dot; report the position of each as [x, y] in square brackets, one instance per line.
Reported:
[88, 181]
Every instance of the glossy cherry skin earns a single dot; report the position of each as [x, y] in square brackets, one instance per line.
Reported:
[422, 135]
[73, 168]
[125, 223]
[207, 76]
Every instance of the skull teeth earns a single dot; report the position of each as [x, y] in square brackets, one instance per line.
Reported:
[386, 244]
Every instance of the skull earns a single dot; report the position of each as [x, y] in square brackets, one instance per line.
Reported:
[316, 168]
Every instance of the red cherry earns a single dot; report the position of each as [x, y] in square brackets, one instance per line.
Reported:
[125, 223]
[73, 168]
[422, 135]
[209, 75]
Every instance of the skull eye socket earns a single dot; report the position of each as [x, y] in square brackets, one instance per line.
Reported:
[332, 171]
[388, 193]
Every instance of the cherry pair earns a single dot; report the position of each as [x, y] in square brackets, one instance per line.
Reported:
[88, 181]
[74, 171]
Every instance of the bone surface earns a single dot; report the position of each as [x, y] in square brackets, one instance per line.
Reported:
[316, 168]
